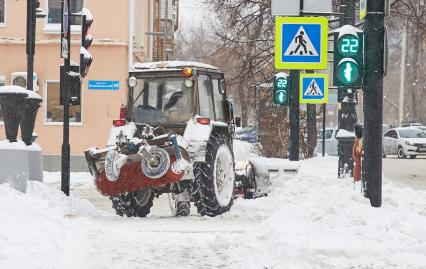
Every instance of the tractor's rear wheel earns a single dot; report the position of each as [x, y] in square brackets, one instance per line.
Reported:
[133, 204]
[213, 186]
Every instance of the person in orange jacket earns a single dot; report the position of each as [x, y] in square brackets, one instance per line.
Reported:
[357, 153]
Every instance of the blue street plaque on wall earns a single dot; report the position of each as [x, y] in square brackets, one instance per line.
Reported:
[104, 85]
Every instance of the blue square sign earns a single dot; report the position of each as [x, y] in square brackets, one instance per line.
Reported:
[301, 43]
[313, 88]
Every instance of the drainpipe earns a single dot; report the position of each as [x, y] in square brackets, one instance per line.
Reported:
[131, 32]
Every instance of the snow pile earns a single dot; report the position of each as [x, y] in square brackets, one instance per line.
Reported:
[19, 145]
[36, 227]
[318, 221]
[13, 89]
[312, 220]
[243, 151]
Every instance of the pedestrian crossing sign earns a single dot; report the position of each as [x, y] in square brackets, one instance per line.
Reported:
[313, 88]
[301, 43]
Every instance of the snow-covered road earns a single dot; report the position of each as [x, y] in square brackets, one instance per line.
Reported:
[311, 221]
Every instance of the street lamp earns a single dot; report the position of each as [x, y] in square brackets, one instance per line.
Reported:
[33, 11]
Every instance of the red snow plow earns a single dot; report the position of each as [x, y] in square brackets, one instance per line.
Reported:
[136, 165]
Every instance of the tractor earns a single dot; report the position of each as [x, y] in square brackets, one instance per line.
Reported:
[175, 137]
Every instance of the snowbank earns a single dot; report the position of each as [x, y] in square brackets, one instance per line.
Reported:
[313, 220]
[318, 221]
[243, 151]
[36, 227]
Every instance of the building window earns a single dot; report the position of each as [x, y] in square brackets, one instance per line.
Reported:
[55, 111]
[2, 11]
[55, 11]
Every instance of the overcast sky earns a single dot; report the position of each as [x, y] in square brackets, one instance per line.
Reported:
[192, 12]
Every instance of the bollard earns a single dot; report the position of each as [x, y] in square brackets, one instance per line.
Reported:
[11, 98]
[27, 116]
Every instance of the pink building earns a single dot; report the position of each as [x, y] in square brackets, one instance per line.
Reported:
[116, 25]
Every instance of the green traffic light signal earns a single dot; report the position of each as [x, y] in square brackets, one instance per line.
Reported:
[348, 72]
[348, 57]
[281, 88]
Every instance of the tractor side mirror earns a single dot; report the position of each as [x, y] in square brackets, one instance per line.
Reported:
[222, 86]
[238, 121]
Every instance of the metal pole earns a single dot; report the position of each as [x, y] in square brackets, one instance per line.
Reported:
[324, 108]
[402, 74]
[294, 116]
[31, 25]
[166, 20]
[294, 110]
[374, 71]
[65, 171]
[311, 122]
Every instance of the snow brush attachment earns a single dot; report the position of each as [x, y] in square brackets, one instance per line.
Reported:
[157, 164]
[130, 177]
[113, 163]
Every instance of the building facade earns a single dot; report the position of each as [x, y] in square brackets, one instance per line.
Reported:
[122, 32]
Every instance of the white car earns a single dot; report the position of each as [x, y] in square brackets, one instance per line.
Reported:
[404, 141]
[331, 142]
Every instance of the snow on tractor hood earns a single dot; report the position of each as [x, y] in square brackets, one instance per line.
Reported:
[128, 130]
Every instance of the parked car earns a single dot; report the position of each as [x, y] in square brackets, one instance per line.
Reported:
[330, 141]
[385, 127]
[411, 124]
[404, 141]
[248, 134]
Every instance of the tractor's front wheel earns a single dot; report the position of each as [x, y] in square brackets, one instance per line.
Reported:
[213, 187]
[133, 204]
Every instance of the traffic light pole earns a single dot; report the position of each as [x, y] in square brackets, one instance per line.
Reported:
[294, 116]
[347, 112]
[31, 25]
[65, 162]
[373, 100]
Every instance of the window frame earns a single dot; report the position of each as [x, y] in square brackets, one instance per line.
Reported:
[55, 28]
[3, 24]
[47, 123]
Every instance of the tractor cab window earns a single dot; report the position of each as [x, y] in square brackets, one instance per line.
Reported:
[218, 101]
[162, 101]
[205, 93]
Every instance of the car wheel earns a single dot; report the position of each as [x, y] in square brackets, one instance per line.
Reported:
[412, 156]
[401, 154]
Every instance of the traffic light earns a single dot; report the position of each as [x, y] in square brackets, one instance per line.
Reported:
[348, 56]
[281, 89]
[86, 41]
[74, 84]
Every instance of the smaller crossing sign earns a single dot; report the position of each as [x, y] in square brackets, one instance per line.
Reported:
[301, 43]
[313, 88]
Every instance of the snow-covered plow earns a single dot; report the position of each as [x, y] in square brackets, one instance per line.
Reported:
[138, 164]
[254, 177]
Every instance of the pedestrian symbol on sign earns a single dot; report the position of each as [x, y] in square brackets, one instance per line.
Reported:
[313, 89]
[301, 45]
